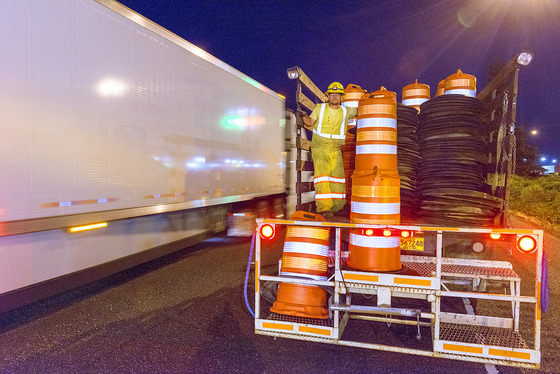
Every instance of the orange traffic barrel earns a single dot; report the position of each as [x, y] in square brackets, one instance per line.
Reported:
[348, 159]
[351, 98]
[352, 95]
[372, 252]
[376, 137]
[415, 94]
[460, 84]
[305, 255]
[375, 200]
[440, 88]
[375, 182]
[376, 197]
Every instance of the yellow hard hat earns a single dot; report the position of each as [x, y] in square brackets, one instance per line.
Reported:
[335, 87]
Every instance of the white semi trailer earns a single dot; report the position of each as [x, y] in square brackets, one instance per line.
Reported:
[108, 119]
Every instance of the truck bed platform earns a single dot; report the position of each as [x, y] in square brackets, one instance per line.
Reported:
[421, 297]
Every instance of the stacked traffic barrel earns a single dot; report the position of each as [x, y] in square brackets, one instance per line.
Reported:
[460, 84]
[415, 94]
[351, 98]
[352, 95]
[305, 255]
[376, 137]
[440, 88]
[375, 183]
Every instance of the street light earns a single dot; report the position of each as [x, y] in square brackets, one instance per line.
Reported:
[534, 132]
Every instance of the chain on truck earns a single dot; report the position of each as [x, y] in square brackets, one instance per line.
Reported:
[446, 266]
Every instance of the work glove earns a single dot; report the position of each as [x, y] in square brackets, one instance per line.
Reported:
[301, 113]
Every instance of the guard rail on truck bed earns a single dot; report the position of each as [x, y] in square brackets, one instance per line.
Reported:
[502, 328]
[499, 97]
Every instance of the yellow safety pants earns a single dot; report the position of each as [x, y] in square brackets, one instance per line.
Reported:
[329, 181]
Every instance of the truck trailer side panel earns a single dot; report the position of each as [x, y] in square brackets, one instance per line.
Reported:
[106, 116]
[101, 113]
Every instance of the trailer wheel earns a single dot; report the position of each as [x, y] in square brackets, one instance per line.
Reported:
[279, 208]
[263, 209]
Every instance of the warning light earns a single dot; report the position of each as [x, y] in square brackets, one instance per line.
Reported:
[525, 58]
[386, 232]
[267, 231]
[88, 227]
[495, 235]
[293, 72]
[405, 234]
[526, 244]
[368, 232]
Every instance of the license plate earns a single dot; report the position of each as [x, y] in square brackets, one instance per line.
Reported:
[412, 244]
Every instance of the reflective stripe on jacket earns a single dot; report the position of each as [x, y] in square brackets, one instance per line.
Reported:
[319, 131]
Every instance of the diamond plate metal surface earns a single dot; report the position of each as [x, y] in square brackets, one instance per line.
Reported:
[429, 270]
[481, 335]
[423, 268]
[301, 320]
[426, 269]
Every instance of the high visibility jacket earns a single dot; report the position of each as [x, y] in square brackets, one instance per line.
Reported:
[329, 129]
[329, 133]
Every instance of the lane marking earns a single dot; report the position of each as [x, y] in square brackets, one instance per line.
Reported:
[490, 368]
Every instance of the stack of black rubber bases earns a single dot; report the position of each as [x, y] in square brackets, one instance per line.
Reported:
[408, 156]
[451, 171]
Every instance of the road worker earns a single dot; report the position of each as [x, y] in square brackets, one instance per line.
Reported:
[329, 123]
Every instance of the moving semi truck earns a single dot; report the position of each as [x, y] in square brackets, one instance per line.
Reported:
[456, 281]
[121, 142]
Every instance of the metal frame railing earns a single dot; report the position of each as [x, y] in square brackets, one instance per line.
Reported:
[303, 102]
[431, 287]
[500, 98]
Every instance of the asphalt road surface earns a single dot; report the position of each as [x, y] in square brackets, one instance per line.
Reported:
[186, 313]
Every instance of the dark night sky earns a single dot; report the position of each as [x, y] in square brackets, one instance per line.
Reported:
[381, 43]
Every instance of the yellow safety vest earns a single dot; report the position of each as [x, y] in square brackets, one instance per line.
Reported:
[319, 130]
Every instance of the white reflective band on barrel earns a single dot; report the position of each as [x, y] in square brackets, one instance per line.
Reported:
[320, 196]
[377, 122]
[307, 248]
[351, 104]
[299, 275]
[376, 208]
[319, 130]
[374, 241]
[329, 179]
[376, 149]
[416, 101]
[461, 91]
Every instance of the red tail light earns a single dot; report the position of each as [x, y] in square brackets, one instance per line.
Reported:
[267, 231]
[387, 232]
[526, 244]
